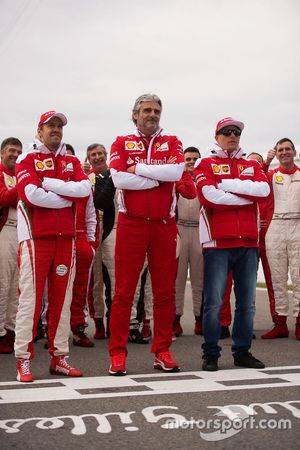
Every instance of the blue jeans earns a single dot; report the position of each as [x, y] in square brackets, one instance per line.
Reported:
[217, 264]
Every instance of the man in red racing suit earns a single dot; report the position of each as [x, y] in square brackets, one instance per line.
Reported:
[48, 182]
[145, 166]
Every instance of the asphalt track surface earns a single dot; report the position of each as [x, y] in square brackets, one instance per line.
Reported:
[231, 408]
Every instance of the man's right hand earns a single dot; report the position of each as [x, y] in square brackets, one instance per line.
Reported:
[270, 156]
[86, 166]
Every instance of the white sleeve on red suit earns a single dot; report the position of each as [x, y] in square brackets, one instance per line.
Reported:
[217, 196]
[165, 172]
[74, 189]
[39, 197]
[160, 172]
[245, 187]
[211, 196]
[123, 179]
[91, 219]
[126, 180]
[29, 186]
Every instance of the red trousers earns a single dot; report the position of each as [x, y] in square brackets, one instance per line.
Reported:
[84, 260]
[39, 260]
[135, 239]
[267, 271]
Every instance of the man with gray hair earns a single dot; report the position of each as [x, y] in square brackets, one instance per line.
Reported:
[145, 165]
[95, 163]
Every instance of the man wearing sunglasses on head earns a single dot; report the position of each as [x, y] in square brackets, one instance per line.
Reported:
[229, 187]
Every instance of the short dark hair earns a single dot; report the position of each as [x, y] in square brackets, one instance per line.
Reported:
[281, 141]
[69, 147]
[11, 141]
[257, 154]
[192, 150]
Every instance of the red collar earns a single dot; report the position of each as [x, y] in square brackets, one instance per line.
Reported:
[288, 172]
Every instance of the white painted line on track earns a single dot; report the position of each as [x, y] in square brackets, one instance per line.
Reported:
[205, 382]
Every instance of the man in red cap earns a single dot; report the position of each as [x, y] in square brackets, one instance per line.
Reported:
[49, 182]
[229, 187]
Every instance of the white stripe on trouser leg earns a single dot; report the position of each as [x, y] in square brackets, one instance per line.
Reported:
[25, 313]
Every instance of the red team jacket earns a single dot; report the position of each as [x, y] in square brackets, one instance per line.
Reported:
[148, 193]
[47, 190]
[228, 188]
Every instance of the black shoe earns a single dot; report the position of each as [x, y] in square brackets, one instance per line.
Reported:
[225, 333]
[40, 333]
[248, 360]
[210, 363]
[136, 337]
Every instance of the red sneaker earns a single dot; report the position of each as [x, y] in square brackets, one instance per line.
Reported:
[59, 366]
[117, 365]
[23, 373]
[164, 361]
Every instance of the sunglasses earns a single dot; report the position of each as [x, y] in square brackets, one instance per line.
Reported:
[226, 132]
[191, 159]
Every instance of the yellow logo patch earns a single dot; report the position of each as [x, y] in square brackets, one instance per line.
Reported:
[48, 164]
[279, 178]
[39, 165]
[130, 145]
[9, 181]
[216, 169]
[225, 168]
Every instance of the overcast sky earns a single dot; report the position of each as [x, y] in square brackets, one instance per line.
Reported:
[206, 59]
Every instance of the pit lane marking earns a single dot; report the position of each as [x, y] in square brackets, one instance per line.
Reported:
[109, 387]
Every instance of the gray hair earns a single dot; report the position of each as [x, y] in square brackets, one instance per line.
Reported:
[144, 98]
[93, 146]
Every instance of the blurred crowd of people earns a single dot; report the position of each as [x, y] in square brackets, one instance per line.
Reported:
[114, 238]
